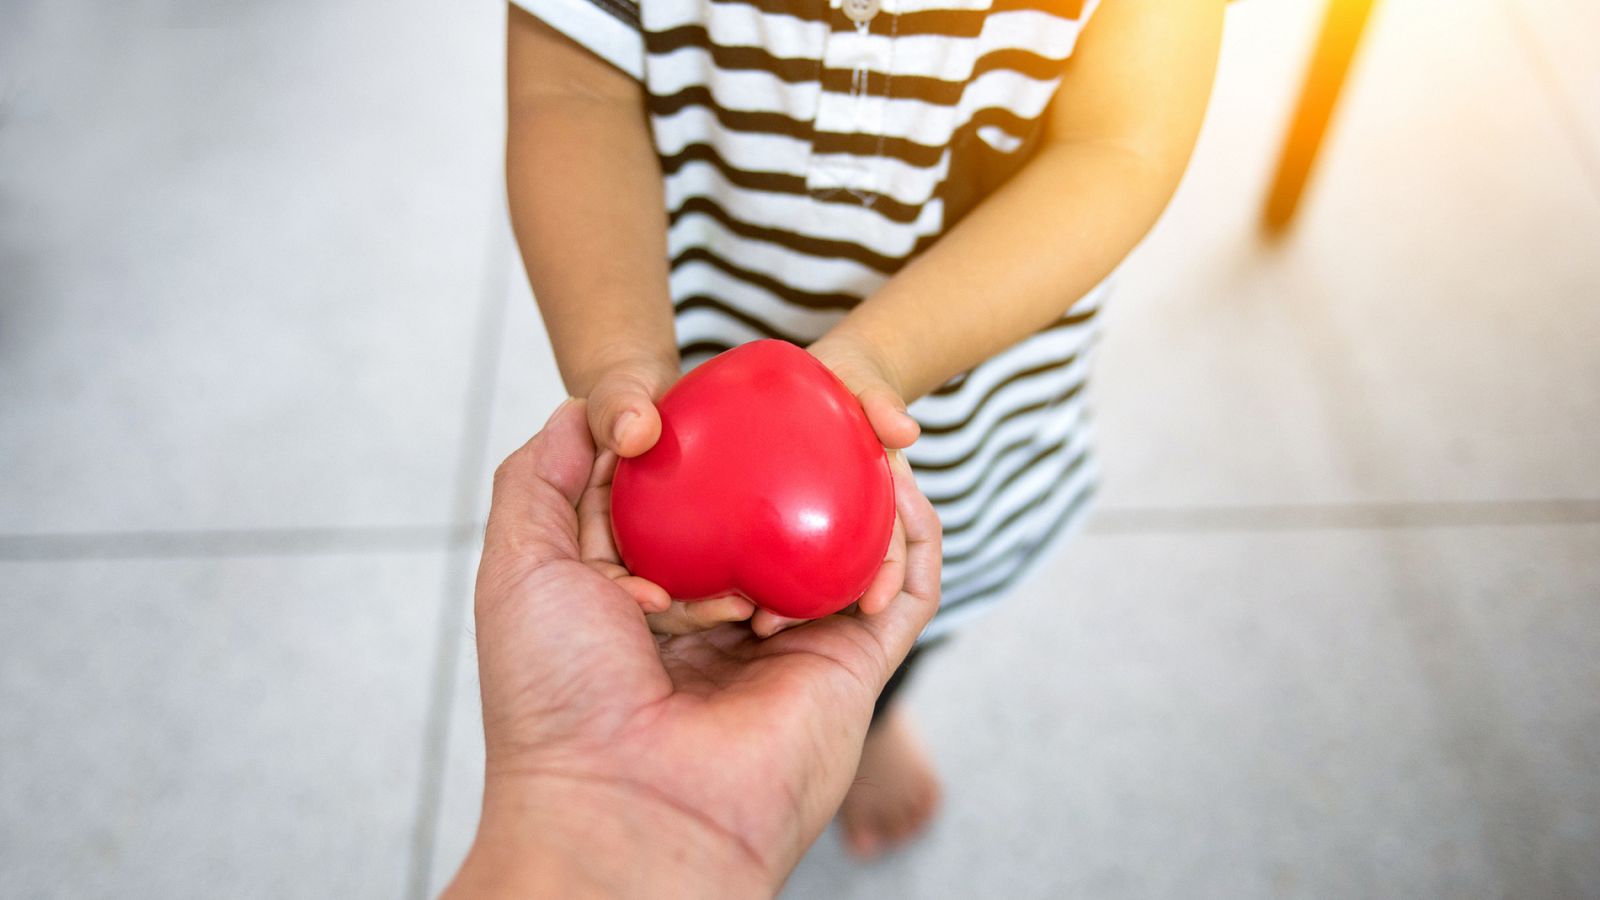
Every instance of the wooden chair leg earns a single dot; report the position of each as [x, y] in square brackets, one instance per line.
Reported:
[1336, 46]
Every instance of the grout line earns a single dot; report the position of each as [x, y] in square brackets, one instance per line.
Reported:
[134, 545]
[1533, 50]
[225, 542]
[1343, 516]
[479, 403]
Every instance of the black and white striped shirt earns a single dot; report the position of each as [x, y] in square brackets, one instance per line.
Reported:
[809, 149]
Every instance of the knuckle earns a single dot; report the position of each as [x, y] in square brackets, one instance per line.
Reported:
[503, 473]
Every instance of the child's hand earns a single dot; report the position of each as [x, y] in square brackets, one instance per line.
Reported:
[624, 422]
[891, 577]
[622, 405]
[874, 386]
[597, 547]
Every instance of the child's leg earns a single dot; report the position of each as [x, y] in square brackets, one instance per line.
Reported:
[898, 679]
[896, 790]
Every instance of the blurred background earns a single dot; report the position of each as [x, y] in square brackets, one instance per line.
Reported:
[1333, 632]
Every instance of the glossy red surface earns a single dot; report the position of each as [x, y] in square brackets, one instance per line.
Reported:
[768, 482]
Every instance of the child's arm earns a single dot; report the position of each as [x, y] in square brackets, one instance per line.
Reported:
[1118, 136]
[589, 214]
[590, 218]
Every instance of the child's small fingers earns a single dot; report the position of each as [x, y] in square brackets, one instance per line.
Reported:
[890, 420]
[671, 621]
[766, 624]
[687, 618]
[713, 612]
[717, 610]
[637, 430]
[650, 596]
[622, 415]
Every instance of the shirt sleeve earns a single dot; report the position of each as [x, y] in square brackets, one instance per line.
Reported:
[607, 28]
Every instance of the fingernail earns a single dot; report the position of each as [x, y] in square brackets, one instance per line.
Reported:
[621, 428]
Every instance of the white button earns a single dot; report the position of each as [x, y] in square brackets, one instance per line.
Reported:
[861, 11]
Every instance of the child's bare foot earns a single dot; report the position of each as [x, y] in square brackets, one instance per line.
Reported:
[896, 791]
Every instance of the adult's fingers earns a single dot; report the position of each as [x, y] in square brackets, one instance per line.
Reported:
[924, 537]
[897, 625]
[542, 614]
[891, 576]
[537, 487]
[622, 411]
[598, 547]
[595, 540]
[887, 582]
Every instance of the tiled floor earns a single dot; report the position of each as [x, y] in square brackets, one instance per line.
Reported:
[1335, 632]
[220, 727]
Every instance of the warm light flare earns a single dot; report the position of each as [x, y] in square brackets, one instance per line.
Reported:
[1336, 46]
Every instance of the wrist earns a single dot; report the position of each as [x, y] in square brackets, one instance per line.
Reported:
[580, 837]
[656, 367]
[846, 351]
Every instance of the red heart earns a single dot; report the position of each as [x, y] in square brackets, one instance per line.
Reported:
[767, 482]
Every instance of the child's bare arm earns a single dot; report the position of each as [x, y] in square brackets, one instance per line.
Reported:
[1119, 134]
[588, 211]
[590, 217]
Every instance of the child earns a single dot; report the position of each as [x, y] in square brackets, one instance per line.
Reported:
[926, 193]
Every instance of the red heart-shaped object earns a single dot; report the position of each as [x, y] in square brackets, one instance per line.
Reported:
[768, 482]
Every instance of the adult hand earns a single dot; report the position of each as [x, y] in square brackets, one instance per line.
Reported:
[625, 764]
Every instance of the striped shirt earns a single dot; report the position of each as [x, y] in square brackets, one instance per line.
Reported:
[809, 149]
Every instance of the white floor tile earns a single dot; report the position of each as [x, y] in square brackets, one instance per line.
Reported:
[1427, 332]
[527, 390]
[528, 386]
[1313, 715]
[462, 797]
[1560, 34]
[238, 728]
[243, 256]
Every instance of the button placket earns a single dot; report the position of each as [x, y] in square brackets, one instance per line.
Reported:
[861, 11]
[860, 111]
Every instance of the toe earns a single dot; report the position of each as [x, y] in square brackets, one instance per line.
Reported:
[870, 841]
[862, 843]
[902, 822]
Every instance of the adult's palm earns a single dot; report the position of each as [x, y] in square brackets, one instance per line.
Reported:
[747, 742]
